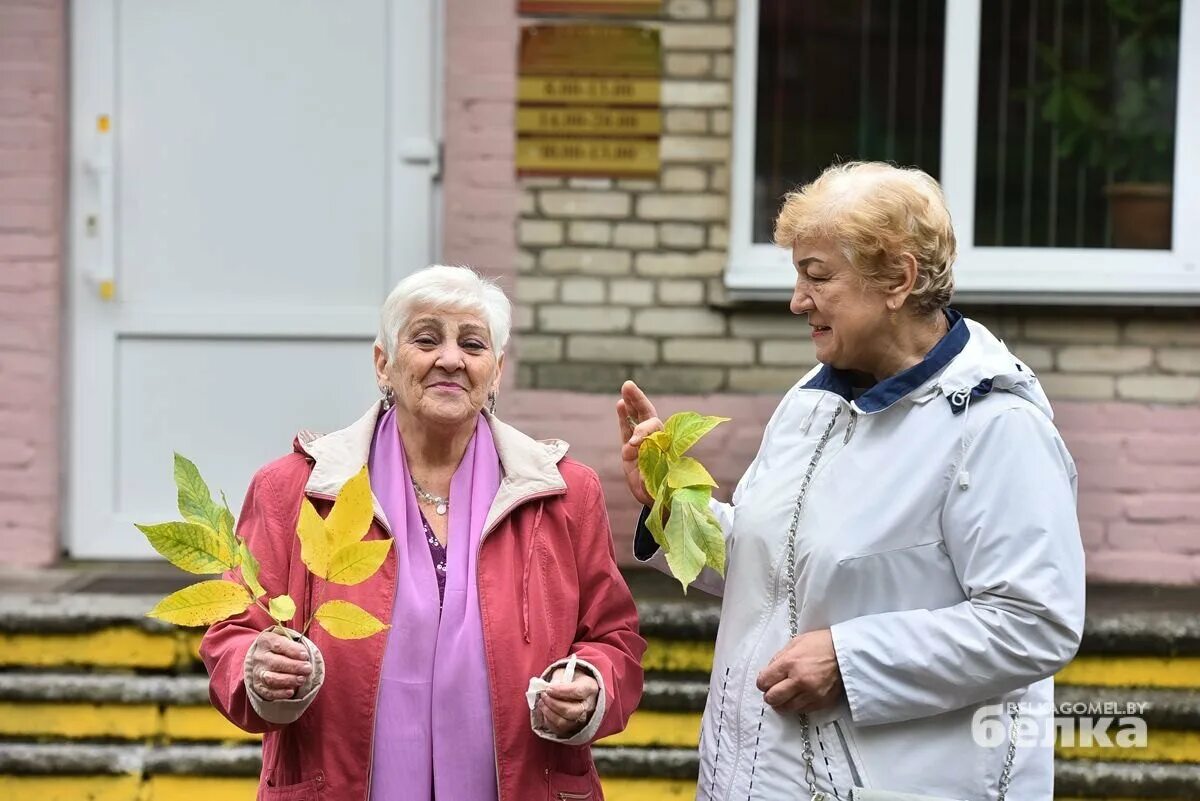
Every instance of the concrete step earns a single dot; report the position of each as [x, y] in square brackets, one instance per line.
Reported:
[1120, 621]
[83, 706]
[634, 773]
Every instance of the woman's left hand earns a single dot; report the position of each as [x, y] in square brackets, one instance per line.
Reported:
[563, 709]
[804, 676]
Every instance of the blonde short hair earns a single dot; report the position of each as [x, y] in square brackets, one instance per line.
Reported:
[442, 288]
[875, 212]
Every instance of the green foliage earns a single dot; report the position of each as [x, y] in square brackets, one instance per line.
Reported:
[690, 535]
[1119, 114]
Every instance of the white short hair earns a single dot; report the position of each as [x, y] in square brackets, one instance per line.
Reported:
[442, 288]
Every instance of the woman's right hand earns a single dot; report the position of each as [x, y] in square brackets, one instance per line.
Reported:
[278, 666]
[637, 420]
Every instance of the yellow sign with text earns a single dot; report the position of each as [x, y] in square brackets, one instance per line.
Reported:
[588, 91]
[588, 121]
[589, 100]
[572, 156]
[629, 8]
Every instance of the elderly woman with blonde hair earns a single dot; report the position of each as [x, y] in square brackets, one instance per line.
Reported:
[904, 566]
[502, 570]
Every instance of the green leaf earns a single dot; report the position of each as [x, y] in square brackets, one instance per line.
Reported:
[686, 558]
[352, 512]
[249, 567]
[202, 604]
[686, 428]
[227, 527]
[695, 535]
[654, 521]
[190, 546]
[706, 529]
[346, 621]
[652, 464]
[358, 561]
[688, 472]
[195, 501]
[282, 608]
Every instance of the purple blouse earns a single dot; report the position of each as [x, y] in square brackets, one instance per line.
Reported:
[438, 552]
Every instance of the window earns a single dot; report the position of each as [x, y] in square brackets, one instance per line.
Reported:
[879, 95]
[1052, 124]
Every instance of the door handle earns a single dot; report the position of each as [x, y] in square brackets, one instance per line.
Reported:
[417, 152]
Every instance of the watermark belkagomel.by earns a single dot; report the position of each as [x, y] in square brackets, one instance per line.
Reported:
[1108, 724]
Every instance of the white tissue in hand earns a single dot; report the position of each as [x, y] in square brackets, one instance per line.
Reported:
[538, 685]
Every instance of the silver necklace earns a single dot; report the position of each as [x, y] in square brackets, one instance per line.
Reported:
[440, 505]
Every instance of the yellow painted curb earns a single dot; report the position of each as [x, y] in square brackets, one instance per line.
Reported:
[202, 723]
[71, 788]
[648, 789]
[191, 788]
[646, 727]
[1180, 672]
[1162, 745]
[678, 655]
[125, 647]
[1104, 671]
[78, 721]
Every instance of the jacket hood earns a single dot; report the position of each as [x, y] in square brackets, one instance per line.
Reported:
[985, 365]
[968, 363]
[528, 466]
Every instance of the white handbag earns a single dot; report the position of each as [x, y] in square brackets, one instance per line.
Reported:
[856, 793]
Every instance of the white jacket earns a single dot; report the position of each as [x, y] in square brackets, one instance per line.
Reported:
[939, 542]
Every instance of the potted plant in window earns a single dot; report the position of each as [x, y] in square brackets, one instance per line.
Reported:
[1120, 117]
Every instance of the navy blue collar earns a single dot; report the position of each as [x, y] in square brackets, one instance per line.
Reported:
[892, 389]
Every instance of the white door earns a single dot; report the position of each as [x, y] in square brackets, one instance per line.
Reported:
[248, 179]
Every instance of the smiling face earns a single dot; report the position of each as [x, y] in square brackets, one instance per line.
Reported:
[443, 367]
[849, 319]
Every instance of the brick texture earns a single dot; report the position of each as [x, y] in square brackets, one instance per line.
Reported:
[1132, 430]
[1139, 472]
[1126, 385]
[33, 98]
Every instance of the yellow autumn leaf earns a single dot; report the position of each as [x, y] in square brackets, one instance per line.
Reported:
[358, 562]
[282, 608]
[202, 604]
[346, 621]
[352, 512]
[190, 546]
[314, 541]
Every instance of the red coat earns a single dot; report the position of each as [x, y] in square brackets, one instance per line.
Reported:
[548, 586]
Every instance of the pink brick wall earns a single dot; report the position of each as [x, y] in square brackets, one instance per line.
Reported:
[1139, 465]
[33, 101]
[479, 183]
[1139, 470]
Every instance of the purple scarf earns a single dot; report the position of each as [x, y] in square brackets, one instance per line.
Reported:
[433, 726]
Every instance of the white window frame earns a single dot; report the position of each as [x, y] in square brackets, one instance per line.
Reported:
[758, 270]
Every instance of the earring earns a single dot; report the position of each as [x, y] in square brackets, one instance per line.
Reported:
[492, 403]
[389, 396]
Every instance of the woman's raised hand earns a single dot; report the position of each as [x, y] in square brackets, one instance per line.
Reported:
[637, 420]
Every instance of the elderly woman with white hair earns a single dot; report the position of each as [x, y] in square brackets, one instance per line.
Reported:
[503, 570]
[904, 570]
